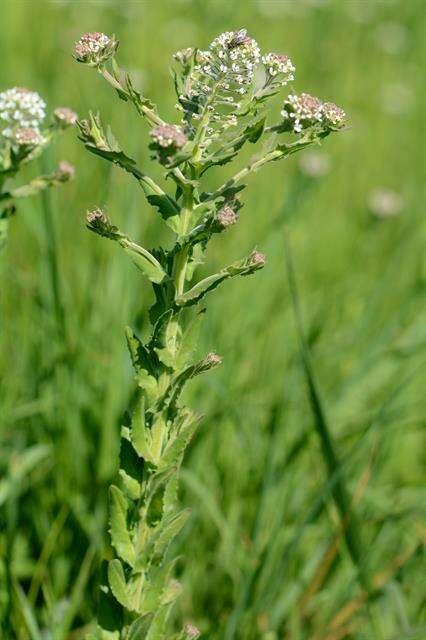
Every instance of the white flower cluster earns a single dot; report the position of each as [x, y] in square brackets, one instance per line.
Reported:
[221, 76]
[95, 48]
[21, 109]
[305, 111]
[231, 60]
[168, 135]
[279, 68]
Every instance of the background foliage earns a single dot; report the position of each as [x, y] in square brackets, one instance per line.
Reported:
[264, 550]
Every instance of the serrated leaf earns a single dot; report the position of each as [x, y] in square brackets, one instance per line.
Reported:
[158, 432]
[139, 628]
[198, 291]
[120, 536]
[189, 341]
[141, 435]
[178, 443]
[117, 582]
[169, 529]
[144, 260]
[167, 340]
[140, 101]
[142, 363]
[168, 211]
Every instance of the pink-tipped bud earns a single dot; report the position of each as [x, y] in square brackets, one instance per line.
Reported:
[191, 631]
[65, 117]
[279, 68]
[28, 137]
[333, 115]
[226, 216]
[66, 171]
[212, 359]
[257, 259]
[168, 136]
[95, 48]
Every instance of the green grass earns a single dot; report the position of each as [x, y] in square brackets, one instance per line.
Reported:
[264, 554]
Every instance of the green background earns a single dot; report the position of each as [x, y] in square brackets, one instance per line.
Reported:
[263, 555]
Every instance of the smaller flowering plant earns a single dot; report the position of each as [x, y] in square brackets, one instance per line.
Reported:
[222, 99]
[23, 137]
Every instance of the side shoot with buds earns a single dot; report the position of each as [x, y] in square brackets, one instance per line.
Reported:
[222, 96]
[23, 138]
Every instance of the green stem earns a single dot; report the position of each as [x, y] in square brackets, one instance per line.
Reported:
[149, 114]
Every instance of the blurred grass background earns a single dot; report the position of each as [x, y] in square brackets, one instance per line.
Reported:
[263, 554]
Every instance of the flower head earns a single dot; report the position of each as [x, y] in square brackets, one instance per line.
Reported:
[302, 111]
[95, 48]
[20, 108]
[66, 171]
[168, 136]
[385, 203]
[257, 259]
[191, 631]
[333, 115]
[279, 68]
[226, 216]
[184, 56]
[65, 117]
[167, 139]
[232, 58]
[212, 360]
[28, 137]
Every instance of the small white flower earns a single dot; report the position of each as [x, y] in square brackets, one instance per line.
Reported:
[20, 109]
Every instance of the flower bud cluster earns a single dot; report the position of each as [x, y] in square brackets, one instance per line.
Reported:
[257, 259]
[184, 56]
[167, 139]
[231, 60]
[66, 171]
[95, 48]
[279, 68]
[226, 216]
[28, 137]
[21, 110]
[191, 631]
[212, 360]
[98, 222]
[220, 78]
[65, 117]
[304, 111]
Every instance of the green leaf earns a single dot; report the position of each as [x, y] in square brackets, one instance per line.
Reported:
[141, 435]
[27, 613]
[117, 582]
[198, 291]
[144, 260]
[178, 443]
[141, 102]
[167, 208]
[120, 536]
[142, 363]
[255, 130]
[189, 341]
[169, 529]
[139, 628]
[167, 340]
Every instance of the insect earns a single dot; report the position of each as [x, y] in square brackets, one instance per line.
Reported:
[238, 39]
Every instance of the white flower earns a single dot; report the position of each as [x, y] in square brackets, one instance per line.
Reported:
[20, 109]
[279, 67]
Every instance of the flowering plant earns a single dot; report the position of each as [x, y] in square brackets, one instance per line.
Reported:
[22, 139]
[222, 95]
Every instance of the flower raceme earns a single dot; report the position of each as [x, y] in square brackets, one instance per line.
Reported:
[23, 137]
[222, 98]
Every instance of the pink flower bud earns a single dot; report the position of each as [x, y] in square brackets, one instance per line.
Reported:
[65, 117]
[95, 48]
